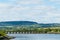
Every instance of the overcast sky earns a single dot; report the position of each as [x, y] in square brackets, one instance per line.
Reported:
[42, 11]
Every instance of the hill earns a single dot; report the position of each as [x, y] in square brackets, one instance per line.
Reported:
[13, 23]
[29, 23]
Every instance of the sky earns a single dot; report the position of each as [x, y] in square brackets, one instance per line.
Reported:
[41, 11]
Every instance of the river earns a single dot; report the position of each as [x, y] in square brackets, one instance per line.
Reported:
[35, 36]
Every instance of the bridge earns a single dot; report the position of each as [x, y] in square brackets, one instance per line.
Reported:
[19, 32]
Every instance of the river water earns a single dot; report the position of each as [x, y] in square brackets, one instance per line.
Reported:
[35, 36]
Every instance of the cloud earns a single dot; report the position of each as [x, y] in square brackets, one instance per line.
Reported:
[55, 1]
[3, 5]
[30, 10]
[27, 2]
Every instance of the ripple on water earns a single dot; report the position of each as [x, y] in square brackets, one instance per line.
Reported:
[36, 36]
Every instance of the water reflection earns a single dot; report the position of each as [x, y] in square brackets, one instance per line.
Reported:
[35, 36]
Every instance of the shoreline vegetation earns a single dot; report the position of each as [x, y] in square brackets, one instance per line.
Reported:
[4, 36]
[27, 30]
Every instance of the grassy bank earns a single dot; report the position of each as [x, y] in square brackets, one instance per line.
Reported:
[50, 30]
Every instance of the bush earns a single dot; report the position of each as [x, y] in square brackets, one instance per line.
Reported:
[2, 33]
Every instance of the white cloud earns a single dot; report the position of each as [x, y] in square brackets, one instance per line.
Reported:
[25, 2]
[3, 5]
[30, 11]
[44, 7]
[55, 1]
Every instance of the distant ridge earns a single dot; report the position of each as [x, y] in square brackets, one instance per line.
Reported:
[25, 23]
[13, 23]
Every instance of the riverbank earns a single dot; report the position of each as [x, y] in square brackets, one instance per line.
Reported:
[4, 36]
